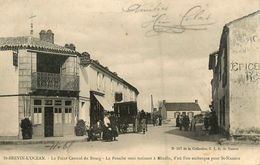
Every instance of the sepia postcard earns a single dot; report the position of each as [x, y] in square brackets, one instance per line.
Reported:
[130, 82]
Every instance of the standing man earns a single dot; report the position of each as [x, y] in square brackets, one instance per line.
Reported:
[178, 121]
[143, 121]
[160, 120]
[193, 123]
[181, 122]
[213, 121]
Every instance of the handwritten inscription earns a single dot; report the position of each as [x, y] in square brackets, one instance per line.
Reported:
[196, 18]
[145, 8]
[60, 145]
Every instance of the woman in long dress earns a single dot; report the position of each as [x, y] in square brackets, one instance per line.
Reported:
[107, 132]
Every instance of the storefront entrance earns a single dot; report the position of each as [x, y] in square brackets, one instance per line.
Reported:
[48, 121]
[53, 117]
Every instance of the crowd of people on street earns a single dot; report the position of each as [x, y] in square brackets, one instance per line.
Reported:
[184, 122]
[157, 120]
[109, 128]
[106, 130]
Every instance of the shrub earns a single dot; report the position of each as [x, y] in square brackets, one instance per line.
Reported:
[80, 128]
[26, 126]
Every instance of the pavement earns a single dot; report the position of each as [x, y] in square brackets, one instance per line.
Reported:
[46, 140]
[159, 145]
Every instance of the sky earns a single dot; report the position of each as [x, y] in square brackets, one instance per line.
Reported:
[127, 37]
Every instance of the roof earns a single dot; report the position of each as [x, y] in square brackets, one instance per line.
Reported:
[96, 64]
[185, 106]
[27, 42]
[251, 14]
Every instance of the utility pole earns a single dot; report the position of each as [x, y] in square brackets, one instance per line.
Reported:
[31, 24]
[152, 106]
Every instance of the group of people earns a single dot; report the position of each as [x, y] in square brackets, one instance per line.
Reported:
[183, 121]
[210, 122]
[157, 120]
[106, 130]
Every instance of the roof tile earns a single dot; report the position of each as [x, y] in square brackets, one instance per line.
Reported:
[26, 42]
[186, 106]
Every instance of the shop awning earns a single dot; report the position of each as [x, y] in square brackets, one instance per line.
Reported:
[104, 103]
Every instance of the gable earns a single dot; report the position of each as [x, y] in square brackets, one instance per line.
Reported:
[182, 107]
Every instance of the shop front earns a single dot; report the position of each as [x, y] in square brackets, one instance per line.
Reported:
[53, 116]
[98, 105]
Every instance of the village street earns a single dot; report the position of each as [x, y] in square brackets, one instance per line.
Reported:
[161, 143]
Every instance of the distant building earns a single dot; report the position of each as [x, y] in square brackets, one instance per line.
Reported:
[236, 77]
[39, 80]
[170, 110]
[100, 88]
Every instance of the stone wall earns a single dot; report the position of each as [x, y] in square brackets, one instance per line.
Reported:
[244, 68]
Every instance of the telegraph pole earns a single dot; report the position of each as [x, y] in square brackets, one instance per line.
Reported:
[31, 24]
[152, 106]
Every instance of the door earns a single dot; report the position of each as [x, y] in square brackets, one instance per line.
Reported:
[48, 121]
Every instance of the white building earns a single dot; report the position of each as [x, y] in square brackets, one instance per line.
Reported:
[170, 110]
[236, 77]
[100, 89]
[39, 80]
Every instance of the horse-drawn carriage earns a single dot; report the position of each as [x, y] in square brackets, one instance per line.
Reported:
[127, 115]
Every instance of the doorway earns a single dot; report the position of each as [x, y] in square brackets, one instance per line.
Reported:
[48, 121]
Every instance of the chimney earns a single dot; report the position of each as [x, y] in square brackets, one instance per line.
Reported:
[47, 36]
[84, 58]
[70, 46]
[196, 101]
[115, 73]
[164, 101]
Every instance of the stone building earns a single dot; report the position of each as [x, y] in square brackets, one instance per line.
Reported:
[170, 110]
[236, 77]
[100, 88]
[40, 81]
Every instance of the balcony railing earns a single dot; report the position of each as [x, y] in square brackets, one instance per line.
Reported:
[52, 81]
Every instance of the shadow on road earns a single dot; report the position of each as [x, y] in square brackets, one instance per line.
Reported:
[200, 135]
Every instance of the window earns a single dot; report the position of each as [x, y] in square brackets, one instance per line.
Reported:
[103, 83]
[82, 104]
[68, 115]
[124, 93]
[57, 115]
[48, 102]
[37, 102]
[190, 114]
[224, 81]
[133, 95]
[176, 114]
[118, 97]
[111, 86]
[15, 58]
[223, 111]
[68, 103]
[57, 102]
[98, 80]
[37, 115]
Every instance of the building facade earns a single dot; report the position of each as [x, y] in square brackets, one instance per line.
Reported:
[236, 80]
[40, 81]
[170, 110]
[100, 89]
